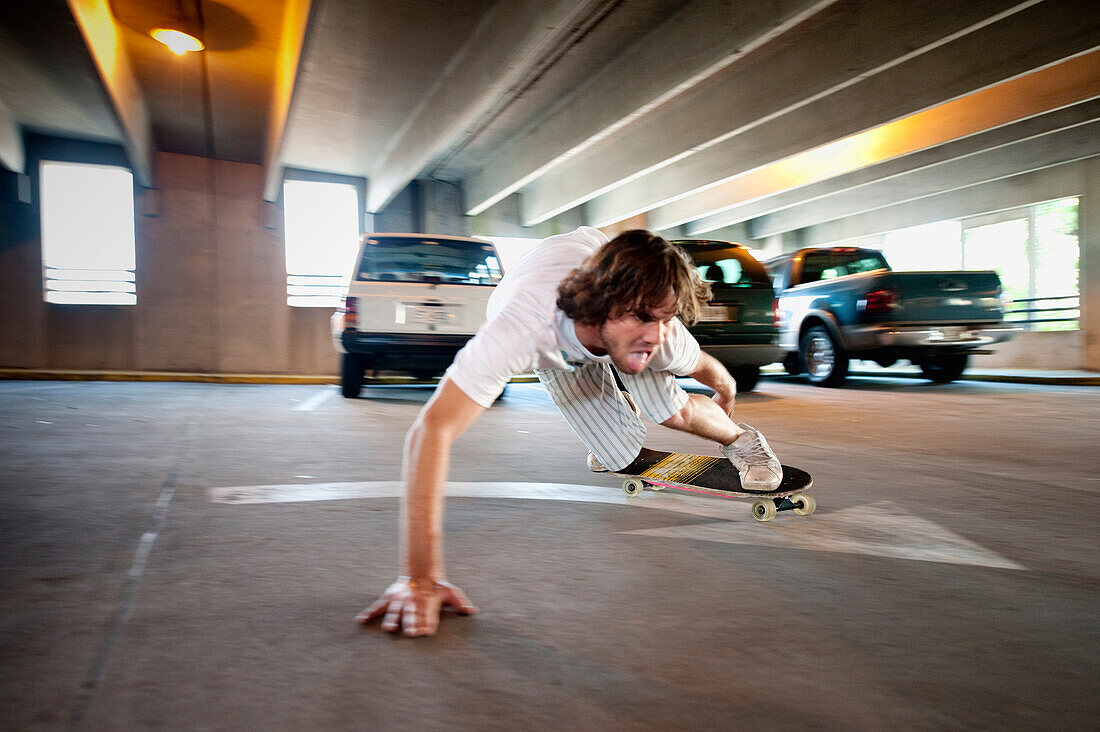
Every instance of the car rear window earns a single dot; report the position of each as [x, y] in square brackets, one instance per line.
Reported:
[829, 264]
[727, 266]
[436, 261]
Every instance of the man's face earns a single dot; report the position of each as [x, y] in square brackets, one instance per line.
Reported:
[631, 339]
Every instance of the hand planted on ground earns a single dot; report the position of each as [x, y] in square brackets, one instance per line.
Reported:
[413, 607]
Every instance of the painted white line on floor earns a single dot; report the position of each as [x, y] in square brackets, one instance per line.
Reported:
[315, 401]
[293, 493]
[880, 529]
[141, 554]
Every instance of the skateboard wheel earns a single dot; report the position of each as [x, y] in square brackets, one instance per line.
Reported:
[633, 486]
[763, 509]
[806, 504]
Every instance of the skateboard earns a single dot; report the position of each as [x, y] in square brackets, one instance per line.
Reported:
[716, 476]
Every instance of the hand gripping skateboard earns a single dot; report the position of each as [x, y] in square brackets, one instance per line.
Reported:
[716, 476]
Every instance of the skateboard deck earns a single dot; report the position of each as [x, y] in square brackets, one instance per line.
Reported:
[716, 476]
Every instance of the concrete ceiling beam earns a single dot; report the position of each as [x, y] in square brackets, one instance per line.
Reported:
[898, 58]
[1062, 181]
[698, 41]
[1045, 151]
[511, 45]
[296, 19]
[103, 38]
[999, 115]
[857, 38]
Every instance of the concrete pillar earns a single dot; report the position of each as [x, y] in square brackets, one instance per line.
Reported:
[425, 207]
[772, 246]
[401, 215]
[442, 208]
[1089, 238]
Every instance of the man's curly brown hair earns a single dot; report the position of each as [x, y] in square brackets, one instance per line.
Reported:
[633, 273]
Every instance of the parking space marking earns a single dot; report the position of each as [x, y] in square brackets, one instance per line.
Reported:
[315, 401]
[880, 529]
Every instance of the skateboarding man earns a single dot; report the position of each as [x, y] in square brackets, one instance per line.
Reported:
[574, 307]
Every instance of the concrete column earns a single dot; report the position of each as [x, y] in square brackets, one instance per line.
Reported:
[772, 246]
[1089, 237]
[442, 208]
[401, 215]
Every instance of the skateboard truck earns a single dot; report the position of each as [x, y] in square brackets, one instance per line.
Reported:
[764, 509]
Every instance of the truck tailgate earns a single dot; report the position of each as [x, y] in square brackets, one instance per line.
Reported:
[944, 297]
[416, 308]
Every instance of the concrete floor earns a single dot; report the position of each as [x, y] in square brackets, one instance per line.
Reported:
[949, 579]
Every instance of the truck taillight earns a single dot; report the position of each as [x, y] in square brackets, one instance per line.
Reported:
[880, 302]
[776, 315]
[351, 304]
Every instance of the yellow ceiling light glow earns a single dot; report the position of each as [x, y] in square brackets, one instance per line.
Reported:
[178, 41]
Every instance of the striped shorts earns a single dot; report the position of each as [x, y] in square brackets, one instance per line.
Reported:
[596, 409]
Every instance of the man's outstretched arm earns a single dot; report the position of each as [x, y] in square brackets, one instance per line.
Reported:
[413, 603]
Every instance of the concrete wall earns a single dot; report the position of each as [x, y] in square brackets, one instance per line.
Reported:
[1053, 350]
[211, 286]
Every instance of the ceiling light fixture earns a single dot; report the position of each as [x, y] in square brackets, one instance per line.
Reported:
[178, 41]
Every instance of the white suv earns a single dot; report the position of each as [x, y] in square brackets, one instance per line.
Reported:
[413, 301]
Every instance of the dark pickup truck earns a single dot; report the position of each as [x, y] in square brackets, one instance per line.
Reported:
[839, 303]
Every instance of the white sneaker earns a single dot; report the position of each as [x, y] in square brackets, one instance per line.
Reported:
[595, 465]
[756, 464]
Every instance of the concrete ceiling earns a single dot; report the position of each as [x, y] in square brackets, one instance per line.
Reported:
[770, 115]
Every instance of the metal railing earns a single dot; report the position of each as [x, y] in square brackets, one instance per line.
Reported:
[1030, 311]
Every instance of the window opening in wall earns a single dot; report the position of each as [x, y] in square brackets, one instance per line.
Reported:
[1001, 247]
[1057, 256]
[88, 252]
[928, 247]
[1036, 252]
[321, 228]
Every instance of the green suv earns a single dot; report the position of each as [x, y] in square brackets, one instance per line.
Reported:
[740, 325]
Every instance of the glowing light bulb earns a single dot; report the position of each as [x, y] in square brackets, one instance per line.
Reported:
[178, 41]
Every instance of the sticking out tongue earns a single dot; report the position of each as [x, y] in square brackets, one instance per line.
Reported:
[636, 360]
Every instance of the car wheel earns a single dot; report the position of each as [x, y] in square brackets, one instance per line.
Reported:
[945, 369]
[351, 375]
[746, 377]
[823, 359]
[793, 364]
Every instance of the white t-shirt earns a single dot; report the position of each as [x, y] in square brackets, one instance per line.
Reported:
[525, 331]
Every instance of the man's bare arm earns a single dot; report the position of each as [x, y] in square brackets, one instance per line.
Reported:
[412, 605]
[710, 372]
[709, 418]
